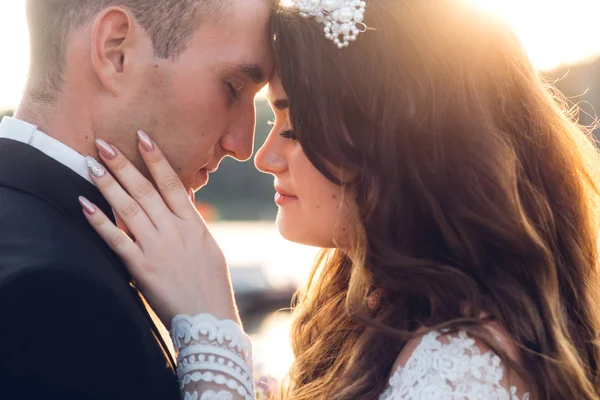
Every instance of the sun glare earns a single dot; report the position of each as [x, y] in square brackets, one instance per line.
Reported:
[553, 32]
[15, 52]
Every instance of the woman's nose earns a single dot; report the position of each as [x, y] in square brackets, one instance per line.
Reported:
[268, 158]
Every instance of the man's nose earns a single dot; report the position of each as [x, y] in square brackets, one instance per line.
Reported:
[239, 141]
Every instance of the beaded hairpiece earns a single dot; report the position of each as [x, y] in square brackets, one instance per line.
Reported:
[343, 19]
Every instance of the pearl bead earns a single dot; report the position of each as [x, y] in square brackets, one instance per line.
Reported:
[343, 20]
[346, 14]
[330, 5]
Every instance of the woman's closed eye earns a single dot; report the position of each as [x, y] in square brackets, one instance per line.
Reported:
[289, 134]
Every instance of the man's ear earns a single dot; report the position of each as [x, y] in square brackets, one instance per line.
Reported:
[112, 40]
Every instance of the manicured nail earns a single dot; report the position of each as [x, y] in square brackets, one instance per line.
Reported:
[87, 205]
[145, 140]
[95, 167]
[106, 150]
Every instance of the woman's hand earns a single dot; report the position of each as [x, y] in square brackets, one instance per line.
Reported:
[174, 258]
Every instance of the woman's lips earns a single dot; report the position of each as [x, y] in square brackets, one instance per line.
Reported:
[283, 197]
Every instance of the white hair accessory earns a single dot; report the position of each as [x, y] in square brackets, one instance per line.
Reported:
[343, 19]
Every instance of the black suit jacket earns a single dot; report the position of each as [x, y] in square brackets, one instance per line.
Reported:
[72, 326]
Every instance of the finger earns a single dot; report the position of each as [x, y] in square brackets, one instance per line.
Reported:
[116, 239]
[172, 190]
[134, 183]
[127, 208]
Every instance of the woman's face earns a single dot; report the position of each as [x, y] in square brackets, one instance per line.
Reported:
[310, 206]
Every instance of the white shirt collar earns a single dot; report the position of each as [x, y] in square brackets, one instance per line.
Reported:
[21, 131]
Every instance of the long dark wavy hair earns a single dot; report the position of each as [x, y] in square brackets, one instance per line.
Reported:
[474, 192]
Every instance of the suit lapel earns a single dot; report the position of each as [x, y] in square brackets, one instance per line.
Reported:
[30, 171]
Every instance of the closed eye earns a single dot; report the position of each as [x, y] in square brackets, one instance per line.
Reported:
[290, 134]
[232, 91]
[235, 87]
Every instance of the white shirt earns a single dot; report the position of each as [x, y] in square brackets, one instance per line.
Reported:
[24, 132]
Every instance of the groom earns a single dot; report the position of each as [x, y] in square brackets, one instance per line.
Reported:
[73, 326]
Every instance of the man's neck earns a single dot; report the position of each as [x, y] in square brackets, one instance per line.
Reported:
[67, 127]
[64, 120]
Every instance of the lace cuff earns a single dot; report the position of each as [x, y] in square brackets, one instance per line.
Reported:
[212, 355]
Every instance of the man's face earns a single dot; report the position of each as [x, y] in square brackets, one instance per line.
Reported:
[199, 108]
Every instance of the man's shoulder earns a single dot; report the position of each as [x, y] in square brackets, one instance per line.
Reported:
[17, 204]
[23, 214]
[36, 238]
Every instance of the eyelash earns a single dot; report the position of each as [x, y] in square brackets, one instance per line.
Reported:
[289, 134]
[232, 91]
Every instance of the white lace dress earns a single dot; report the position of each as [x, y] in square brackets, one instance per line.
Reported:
[215, 363]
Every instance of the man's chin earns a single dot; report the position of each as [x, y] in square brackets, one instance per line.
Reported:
[199, 180]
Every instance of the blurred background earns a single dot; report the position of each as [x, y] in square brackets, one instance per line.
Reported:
[562, 38]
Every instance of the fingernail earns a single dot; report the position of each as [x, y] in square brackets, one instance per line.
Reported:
[192, 196]
[95, 167]
[145, 140]
[106, 150]
[87, 205]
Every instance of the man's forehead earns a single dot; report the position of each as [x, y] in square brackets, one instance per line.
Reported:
[247, 24]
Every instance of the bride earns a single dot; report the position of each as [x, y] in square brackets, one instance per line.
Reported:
[415, 142]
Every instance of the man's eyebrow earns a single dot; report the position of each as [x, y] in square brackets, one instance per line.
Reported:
[281, 104]
[254, 72]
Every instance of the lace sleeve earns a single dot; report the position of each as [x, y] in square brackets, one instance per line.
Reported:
[451, 367]
[214, 359]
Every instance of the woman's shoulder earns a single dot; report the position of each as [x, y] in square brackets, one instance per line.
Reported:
[449, 365]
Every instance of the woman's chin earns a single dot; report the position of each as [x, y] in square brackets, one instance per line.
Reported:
[290, 230]
[299, 232]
